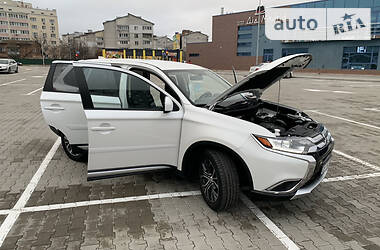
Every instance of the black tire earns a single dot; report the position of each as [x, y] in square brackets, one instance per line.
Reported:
[16, 71]
[73, 152]
[218, 180]
[9, 70]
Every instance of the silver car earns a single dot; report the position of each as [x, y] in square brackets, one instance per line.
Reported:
[8, 65]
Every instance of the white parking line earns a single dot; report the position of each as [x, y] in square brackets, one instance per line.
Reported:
[367, 164]
[14, 214]
[7, 83]
[34, 91]
[345, 119]
[285, 240]
[330, 91]
[351, 177]
[372, 109]
[365, 85]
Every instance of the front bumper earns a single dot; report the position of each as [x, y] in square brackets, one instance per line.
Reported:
[310, 186]
[317, 168]
[4, 69]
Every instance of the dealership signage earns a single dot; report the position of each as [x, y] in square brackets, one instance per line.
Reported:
[312, 24]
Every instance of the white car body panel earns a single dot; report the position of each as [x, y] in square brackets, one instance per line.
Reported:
[64, 111]
[200, 124]
[128, 138]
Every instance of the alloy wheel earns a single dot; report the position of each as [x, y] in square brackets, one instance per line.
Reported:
[209, 181]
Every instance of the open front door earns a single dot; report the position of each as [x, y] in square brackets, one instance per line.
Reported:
[128, 130]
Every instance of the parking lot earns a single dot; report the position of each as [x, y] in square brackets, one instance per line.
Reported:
[47, 203]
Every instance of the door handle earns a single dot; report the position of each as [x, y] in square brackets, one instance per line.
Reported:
[103, 128]
[54, 108]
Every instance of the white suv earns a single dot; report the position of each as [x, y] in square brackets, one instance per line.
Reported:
[138, 116]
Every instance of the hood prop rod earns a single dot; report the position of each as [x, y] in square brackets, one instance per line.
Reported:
[233, 71]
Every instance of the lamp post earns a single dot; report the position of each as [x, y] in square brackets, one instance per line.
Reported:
[258, 31]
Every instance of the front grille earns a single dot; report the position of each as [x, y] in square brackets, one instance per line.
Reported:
[321, 157]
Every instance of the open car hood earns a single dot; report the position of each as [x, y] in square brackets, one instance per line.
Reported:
[266, 76]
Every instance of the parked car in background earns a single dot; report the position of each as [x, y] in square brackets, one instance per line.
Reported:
[257, 67]
[8, 65]
[357, 67]
[139, 116]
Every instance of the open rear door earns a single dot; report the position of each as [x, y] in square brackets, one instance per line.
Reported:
[127, 128]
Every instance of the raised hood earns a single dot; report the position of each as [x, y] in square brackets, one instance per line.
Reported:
[267, 75]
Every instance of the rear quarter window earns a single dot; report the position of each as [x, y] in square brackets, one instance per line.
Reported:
[63, 79]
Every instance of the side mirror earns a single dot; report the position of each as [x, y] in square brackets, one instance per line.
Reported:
[168, 105]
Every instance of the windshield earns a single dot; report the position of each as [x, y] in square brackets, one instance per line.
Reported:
[3, 61]
[199, 86]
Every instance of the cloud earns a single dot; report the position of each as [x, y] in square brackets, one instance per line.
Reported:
[168, 16]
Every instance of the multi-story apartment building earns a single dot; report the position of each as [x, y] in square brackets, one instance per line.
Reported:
[162, 42]
[89, 43]
[20, 21]
[129, 31]
[69, 37]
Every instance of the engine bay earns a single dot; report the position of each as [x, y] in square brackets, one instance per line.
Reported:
[277, 118]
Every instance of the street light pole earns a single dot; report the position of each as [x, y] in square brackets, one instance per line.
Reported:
[258, 33]
[43, 53]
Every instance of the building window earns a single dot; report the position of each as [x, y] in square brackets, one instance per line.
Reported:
[52, 21]
[244, 44]
[146, 42]
[244, 54]
[35, 34]
[43, 27]
[292, 51]
[268, 55]
[136, 35]
[3, 31]
[147, 35]
[245, 27]
[193, 54]
[360, 57]
[123, 35]
[53, 42]
[33, 19]
[18, 24]
[137, 43]
[44, 35]
[34, 26]
[136, 27]
[245, 36]
[3, 22]
[123, 27]
[43, 20]
[147, 27]
[3, 14]
[52, 35]
[52, 27]
[120, 42]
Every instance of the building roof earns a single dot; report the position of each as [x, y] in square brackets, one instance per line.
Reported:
[129, 14]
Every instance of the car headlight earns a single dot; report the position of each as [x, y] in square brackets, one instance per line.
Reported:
[288, 144]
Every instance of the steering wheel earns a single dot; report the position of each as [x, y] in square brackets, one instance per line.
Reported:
[205, 95]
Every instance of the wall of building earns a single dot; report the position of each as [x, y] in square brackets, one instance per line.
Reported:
[221, 53]
[162, 42]
[20, 21]
[193, 37]
[234, 44]
[128, 32]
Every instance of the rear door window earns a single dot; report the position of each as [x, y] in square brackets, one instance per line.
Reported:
[64, 79]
